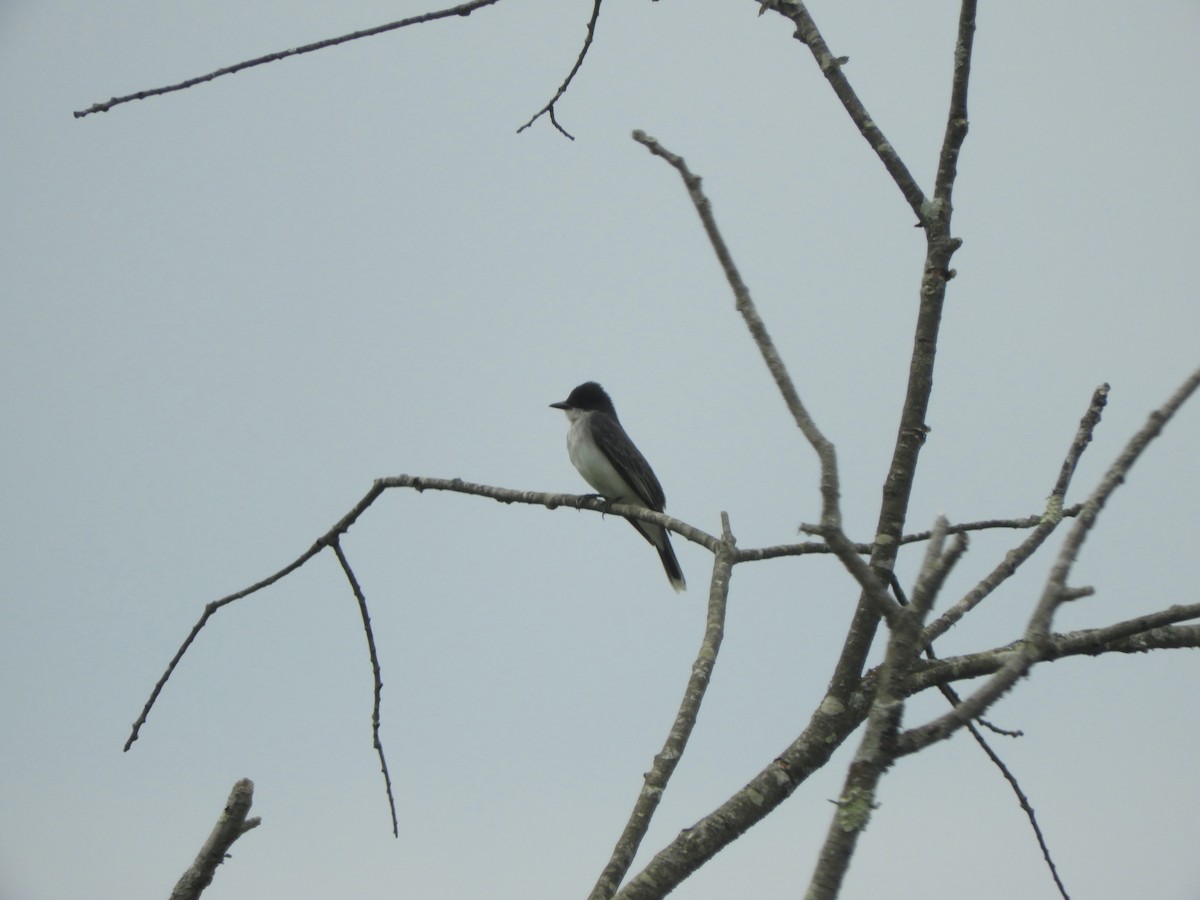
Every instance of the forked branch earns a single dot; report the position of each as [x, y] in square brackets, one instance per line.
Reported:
[562, 88]
[723, 547]
[1037, 643]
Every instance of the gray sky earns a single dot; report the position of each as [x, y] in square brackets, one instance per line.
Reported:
[229, 309]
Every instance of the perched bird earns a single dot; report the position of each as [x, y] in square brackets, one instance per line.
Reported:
[608, 461]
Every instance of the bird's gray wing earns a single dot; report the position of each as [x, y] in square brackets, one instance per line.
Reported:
[614, 443]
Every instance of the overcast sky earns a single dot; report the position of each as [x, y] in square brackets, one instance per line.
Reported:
[227, 310]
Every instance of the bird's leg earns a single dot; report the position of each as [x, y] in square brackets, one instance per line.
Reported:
[604, 507]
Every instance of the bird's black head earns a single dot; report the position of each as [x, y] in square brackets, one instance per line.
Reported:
[588, 397]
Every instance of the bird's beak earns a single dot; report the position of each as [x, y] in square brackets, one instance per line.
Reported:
[562, 404]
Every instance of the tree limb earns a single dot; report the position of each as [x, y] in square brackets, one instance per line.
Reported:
[654, 782]
[830, 511]
[831, 67]
[231, 825]
[912, 431]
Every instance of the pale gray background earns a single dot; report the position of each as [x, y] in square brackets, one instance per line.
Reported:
[227, 310]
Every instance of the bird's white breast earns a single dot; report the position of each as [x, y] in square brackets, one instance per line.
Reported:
[594, 466]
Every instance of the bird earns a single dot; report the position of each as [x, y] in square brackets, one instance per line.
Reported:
[608, 460]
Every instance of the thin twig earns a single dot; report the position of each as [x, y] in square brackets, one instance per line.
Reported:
[751, 554]
[562, 88]
[1025, 805]
[209, 610]
[366, 619]
[950, 694]
[655, 781]
[463, 9]
[988, 524]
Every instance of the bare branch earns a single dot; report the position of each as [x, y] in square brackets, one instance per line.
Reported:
[872, 585]
[989, 524]
[876, 751]
[937, 566]
[1037, 643]
[1083, 437]
[832, 723]
[723, 548]
[830, 512]
[950, 694]
[1178, 637]
[913, 429]
[209, 610]
[1094, 641]
[831, 516]
[562, 88]
[805, 548]
[1003, 570]
[956, 121]
[463, 9]
[231, 825]
[828, 728]
[1148, 632]
[418, 483]
[1046, 523]
[831, 67]
[1053, 594]
[753, 554]
[366, 619]
[883, 743]
[655, 781]
[553, 501]
[1026, 806]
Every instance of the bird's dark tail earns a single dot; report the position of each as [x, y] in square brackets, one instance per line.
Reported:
[667, 554]
[661, 540]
